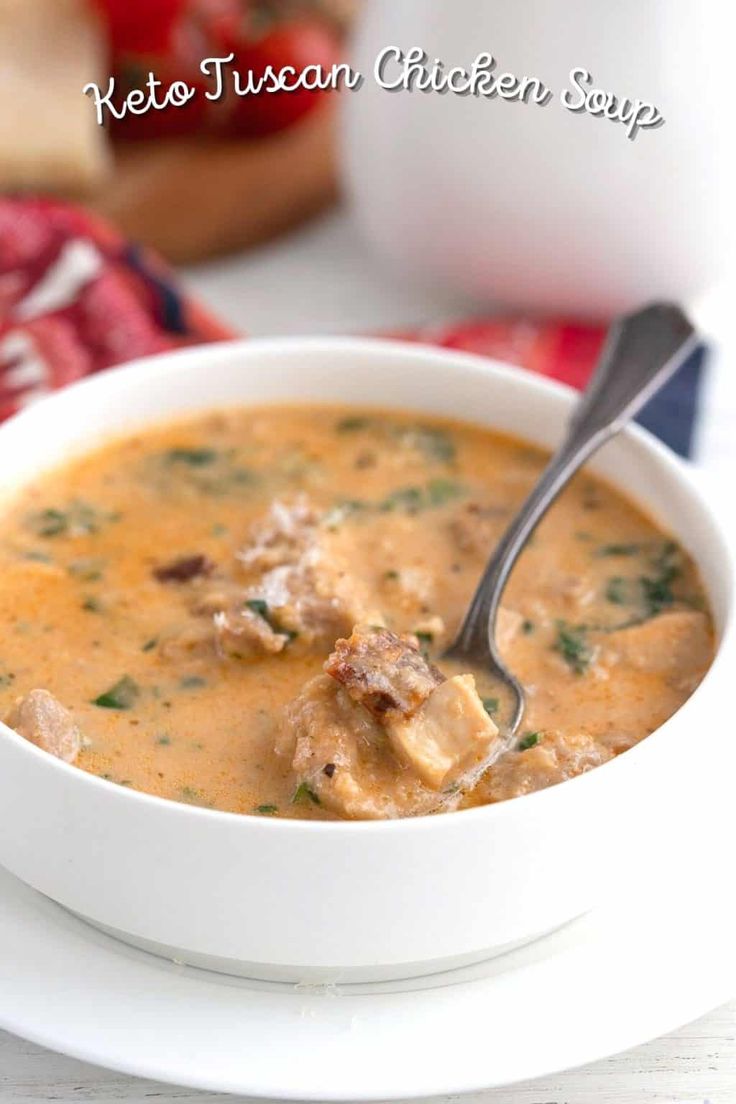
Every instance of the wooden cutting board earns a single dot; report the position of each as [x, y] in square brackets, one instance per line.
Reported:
[187, 198]
[193, 199]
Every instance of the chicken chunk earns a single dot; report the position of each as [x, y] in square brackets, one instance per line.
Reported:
[297, 588]
[438, 728]
[296, 569]
[41, 719]
[449, 739]
[282, 536]
[676, 645]
[554, 759]
[383, 672]
[383, 733]
[245, 634]
[340, 752]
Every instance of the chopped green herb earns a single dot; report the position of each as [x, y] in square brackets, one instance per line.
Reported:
[352, 424]
[617, 591]
[405, 498]
[150, 644]
[206, 471]
[527, 627]
[194, 457]
[219, 530]
[163, 741]
[37, 557]
[78, 519]
[266, 810]
[437, 492]
[619, 550]
[440, 491]
[120, 696]
[657, 593]
[529, 740]
[92, 604]
[391, 576]
[193, 796]
[88, 570]
[192, 682]
[304, 793]
[434, 442]
[490, 705]
[341, 511]
[425, 640]
[258, 606]
[50, 523]
[572, 644]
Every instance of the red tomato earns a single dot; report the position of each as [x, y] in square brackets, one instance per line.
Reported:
[220, 22]
[146, 26]
[296, 44]
[140, 25]
[180, 64]
[169, 122]
[202, 28]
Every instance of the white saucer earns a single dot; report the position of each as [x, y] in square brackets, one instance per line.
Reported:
[621, 975]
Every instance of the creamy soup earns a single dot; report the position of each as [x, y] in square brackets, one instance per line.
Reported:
[247, 610]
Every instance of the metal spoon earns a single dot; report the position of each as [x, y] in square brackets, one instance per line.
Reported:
[642, 351]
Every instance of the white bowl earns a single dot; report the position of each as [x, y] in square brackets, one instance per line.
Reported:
[292, 900]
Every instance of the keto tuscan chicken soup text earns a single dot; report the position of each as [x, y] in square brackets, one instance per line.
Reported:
[246, 610]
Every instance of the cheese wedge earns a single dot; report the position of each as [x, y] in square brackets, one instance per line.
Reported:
[49, 138]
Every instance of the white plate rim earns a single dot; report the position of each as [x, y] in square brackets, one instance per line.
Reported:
[38, 924]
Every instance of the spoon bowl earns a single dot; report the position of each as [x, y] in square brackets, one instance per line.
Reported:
[642, 352]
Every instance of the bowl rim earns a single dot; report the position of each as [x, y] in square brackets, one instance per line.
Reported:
[137, 370]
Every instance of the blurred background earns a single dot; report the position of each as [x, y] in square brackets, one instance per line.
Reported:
[503, 228]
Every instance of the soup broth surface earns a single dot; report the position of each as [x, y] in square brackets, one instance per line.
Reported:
[605, 620]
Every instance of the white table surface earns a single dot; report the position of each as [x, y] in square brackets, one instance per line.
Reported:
[322, 280]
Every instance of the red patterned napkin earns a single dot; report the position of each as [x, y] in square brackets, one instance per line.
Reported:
[75, 297]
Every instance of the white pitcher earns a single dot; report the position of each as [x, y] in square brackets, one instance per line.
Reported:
[544, 207]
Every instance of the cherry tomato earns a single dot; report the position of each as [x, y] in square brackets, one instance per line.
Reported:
[172, 51]
[220, 23]
[143, 26]
[180, 63]
[296, 44]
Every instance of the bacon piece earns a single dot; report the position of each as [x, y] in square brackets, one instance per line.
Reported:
[383, 672]
[184, 569]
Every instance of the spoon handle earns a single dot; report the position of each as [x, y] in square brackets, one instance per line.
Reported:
[642, 351]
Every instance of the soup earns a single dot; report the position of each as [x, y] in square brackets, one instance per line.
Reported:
[246, 610]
